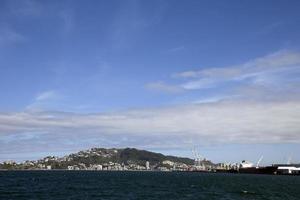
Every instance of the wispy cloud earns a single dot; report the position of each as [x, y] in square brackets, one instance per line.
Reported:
[51, 94]
[200, 84]
[212, 120]
[163, 87]
[25, 7]
[33, 9]
[67, 18]
[270, 28]
[130, 23]
[45, 100]
[176, 49]
[258, 78]
[219, 122]
[269, 63]
[9, 36]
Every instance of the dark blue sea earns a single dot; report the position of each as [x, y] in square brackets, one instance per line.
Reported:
[145, 185]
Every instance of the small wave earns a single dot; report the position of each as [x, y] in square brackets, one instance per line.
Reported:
[247, 192]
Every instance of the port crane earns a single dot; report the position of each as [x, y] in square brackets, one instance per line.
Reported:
[260, 159]
[197, 157]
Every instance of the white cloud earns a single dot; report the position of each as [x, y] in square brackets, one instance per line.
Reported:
[268, 71]
[199, 84]
[51, 94]
[268, 76]
[275, 61]
[49, 99]
[163, 87]
[222, 122]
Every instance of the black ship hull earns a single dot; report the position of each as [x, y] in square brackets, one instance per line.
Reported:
[226, 171]
[258, 170]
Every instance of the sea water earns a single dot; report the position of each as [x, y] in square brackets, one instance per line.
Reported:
[145, 185]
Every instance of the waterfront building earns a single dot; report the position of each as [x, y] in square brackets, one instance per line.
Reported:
[147, 165]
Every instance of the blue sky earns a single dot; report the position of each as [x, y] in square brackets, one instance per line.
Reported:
[166, 76]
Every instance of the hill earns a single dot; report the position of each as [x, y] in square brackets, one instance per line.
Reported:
[112, 158]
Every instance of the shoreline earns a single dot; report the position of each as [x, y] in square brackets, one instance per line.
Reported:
[150, 171]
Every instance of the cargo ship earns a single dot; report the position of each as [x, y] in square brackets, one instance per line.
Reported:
[258, 170]
[247, 167]
[288, 169]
